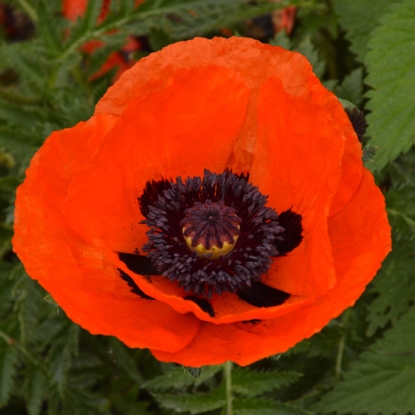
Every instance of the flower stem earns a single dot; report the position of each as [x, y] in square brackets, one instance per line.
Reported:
[339, 358]
[345, 318]
[228, 383]
[13, 343]
[29, 10]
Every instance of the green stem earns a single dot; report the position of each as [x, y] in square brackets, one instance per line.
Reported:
[339, 358]
[12, 342]
[228, 383]
[17, 99]
[29, 10]
[345, 319]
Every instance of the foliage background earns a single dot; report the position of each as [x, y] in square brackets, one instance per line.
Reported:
[361, 363]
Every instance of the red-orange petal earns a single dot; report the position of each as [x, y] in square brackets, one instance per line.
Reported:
[69, 265]
[360, 237]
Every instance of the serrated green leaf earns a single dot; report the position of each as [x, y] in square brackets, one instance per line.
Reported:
[401, 192]
[174, 378]
[195, 403]
[85, 23]
[251, 406]
[197, 17]
[8, 363]
[307, 49]
[6, 286]
[61, 353]
[382, 381]
[18, 114]
[394, 285]
[281, 39]
[368, 153]
[35, 386]
[359, 19]
[208, 372]
[22, 151]
[352, 87]
[28, 305]
[27, 59]
[194, 371]
[250, 383]
[49, 29]
[123, 359]
[391, 67]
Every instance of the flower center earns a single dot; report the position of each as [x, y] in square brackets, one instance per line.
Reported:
[214, 233]
[211, 229]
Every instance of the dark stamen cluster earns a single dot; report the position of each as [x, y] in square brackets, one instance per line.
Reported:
[164, 205]
[358, 121]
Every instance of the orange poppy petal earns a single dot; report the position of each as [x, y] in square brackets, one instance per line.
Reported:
[360, 241]
[248, 57]
[165, 133]
[74, 271]
[183, 145]
[285, 171]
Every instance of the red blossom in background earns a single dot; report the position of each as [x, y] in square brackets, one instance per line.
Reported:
[72, 9]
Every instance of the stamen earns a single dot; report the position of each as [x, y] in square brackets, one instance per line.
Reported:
[211, 229]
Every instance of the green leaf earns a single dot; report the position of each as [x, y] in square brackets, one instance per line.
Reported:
[174, 378]
[60, 357]
[368, 153]
[401, 191]
[28, 305]
[177, 377]
[359, 19]
[307, 49]
[391, 67]
[251, 406]
[35, 386]
[351, 88]
[194, 371]
[49, 29]
[394, 285]
[281, 39]
[18, 114]
[250, 383]
[87, 22]
[8, 366]
[123, 359]
[382, 381]
[194, 403]
[27, 60]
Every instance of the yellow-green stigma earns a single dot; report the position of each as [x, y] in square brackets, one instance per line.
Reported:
[211, 229]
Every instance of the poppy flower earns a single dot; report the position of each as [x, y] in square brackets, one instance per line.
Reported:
[215, 206]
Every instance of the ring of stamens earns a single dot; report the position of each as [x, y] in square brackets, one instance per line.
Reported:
[210, 234]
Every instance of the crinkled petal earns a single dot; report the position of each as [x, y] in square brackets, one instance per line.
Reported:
[69, 266]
